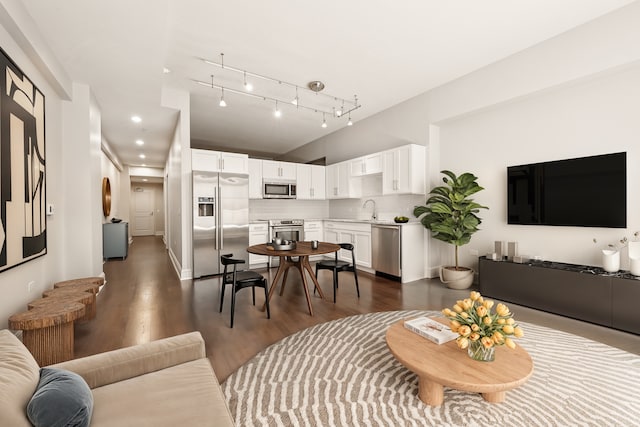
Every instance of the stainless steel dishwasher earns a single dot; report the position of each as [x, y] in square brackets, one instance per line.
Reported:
[385, 242]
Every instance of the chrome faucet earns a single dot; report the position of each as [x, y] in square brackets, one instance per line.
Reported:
[373, 213]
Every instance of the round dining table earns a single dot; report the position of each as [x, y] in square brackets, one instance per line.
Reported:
[287, 260]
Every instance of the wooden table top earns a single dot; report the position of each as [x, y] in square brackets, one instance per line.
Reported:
[53, 314]
[451, 366]
[302, 249]
[78, 287]
[81, 297]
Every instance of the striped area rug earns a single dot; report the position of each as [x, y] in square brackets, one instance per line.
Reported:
[341, 373]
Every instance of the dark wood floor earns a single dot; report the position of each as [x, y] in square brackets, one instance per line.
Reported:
[143, 300]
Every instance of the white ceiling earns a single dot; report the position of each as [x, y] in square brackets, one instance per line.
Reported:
[384, 52]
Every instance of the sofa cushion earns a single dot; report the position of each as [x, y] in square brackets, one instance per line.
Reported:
[183, 395]
[19, 375]
[62, 399]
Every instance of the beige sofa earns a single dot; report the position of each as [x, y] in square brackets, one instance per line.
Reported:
[168, 382]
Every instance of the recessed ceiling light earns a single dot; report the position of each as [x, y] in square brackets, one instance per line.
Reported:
[142, 156]
[139, 142]
[136, 119]
[165, 70]
[145, 179]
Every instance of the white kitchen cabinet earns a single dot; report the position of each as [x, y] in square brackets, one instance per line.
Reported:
[404, 170]
[356, 233]
[313, 231]
[218, 161]
[311, 182]
[278, 170]
[258, 233]
[338, 181]
[367, 165]
[255, 179]
[412, 252]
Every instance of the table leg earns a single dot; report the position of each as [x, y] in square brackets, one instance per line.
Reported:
[307, 266]
[300, 266]
[495, 397]
[53, 344]
[281, 269]
[430, 392]
[286, 272]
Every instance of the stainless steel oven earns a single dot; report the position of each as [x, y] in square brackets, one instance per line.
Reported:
[285, 229]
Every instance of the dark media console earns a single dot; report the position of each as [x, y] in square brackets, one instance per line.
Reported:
[581, 292]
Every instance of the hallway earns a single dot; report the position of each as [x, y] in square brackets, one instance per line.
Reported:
[143, 300]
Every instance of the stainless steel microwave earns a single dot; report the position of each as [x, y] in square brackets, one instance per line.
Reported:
[278, 189]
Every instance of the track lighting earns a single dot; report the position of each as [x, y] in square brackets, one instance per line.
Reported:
[222, 101]
[349, 123]
[278, 91]
[247, 86]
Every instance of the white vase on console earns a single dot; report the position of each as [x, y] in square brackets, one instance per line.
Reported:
[634, 258]
[611, 260]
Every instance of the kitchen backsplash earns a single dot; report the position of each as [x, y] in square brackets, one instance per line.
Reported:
[387, 207]
[287, 209]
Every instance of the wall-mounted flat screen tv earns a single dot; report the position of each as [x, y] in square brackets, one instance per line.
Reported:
[585, 192]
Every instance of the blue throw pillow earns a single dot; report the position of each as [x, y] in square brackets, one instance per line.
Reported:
[62, 399]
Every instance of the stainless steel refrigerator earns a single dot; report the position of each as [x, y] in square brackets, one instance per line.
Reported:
[220, 220]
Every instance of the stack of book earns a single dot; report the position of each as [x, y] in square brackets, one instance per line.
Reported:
[430, 329]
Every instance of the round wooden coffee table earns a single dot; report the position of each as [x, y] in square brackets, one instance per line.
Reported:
[443, 365]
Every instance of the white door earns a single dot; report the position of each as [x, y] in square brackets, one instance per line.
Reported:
[143, 207]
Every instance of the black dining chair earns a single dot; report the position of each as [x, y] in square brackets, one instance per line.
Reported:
[337, 266]
[240, 280]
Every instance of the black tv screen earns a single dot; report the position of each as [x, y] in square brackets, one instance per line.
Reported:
[586, 192]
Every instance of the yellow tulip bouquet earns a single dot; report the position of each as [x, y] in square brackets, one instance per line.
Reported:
[479, 329]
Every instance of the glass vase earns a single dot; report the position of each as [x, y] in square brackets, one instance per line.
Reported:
[478, 352]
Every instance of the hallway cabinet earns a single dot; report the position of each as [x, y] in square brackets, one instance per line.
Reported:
[115, 240]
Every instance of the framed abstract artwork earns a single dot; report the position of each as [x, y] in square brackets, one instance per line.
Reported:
[23, 221]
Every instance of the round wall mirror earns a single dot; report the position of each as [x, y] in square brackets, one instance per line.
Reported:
[106, 196]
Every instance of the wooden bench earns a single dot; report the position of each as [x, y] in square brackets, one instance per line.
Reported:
[48, 330]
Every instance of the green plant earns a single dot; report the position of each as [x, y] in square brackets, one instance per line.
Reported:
[450, 213]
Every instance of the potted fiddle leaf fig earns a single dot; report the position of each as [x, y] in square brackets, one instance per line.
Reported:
[451, 216]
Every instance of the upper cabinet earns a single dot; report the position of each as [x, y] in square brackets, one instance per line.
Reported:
[217, 161]
[255, 179]
[366, 165]
[338, 181]
[311, 182]
[404, 170]
[278, 170]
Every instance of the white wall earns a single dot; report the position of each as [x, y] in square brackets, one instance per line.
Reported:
[73, 164]
[405, 123]
[594, 117]
[573, 95]
[14, 283]
[82, 164]
[178, 185]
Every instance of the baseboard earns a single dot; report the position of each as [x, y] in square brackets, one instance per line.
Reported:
[183, 274]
